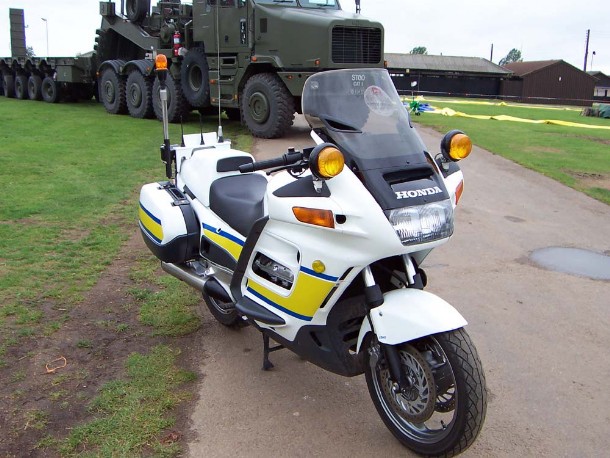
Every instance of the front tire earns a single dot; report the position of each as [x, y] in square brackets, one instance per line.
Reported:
[267, 106]
[224, 312]
[446, 365]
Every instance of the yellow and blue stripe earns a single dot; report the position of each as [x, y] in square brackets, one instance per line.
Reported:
[151, 224]
[310, 291]
[231, 244]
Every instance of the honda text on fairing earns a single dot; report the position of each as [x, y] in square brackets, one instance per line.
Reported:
[323, 253]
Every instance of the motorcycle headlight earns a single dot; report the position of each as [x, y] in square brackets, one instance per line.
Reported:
[422, 223]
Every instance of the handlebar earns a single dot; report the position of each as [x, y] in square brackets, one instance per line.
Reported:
[289, 158]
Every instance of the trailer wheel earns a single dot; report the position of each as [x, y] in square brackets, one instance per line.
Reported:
[177, 106]
[50, 90]
[267, 106]
[137, 10]
[112, 92]
[21, 87]
[194, 74]
[35, 87]
[9, 85]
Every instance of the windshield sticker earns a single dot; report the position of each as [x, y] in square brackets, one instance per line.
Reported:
[379, 101]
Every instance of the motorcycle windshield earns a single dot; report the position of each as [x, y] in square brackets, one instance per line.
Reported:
[360, 110]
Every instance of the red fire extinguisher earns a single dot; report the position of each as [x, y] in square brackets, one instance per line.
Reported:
[177, 43]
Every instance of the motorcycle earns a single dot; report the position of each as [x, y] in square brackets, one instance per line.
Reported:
[322, 253]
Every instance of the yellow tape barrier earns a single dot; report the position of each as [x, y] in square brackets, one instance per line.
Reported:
[450, 112]
[420, 98]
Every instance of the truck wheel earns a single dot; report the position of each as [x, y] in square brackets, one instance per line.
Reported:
[35, 87]
[139, 95]
[112, 92]
[267, 106]
[50, 90]
[137, 10]
[21, 87]
[177, 107]
[194, 74]
[9, 85]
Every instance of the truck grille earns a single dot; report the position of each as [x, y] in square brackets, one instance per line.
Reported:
[353, 45]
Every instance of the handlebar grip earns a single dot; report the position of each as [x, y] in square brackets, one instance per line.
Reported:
[291, 157]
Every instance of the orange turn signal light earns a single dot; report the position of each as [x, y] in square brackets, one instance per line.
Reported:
[315, 216]
[456, 145]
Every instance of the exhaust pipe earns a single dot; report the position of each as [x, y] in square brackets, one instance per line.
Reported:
[208, 284]
[182, 273]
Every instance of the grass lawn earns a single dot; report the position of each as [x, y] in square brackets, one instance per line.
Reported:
[578, 157]
[72, 174]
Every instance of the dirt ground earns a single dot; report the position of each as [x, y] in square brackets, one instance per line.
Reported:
[46, 392]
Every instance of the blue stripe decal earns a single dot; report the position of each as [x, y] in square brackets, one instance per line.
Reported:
[279, 307]
[153, 217]
[224, 234]
[317, 275]
[151, 235]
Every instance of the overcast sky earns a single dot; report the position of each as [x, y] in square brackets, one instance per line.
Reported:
[540, 29]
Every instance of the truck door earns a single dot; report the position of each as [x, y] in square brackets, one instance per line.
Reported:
[232, 23]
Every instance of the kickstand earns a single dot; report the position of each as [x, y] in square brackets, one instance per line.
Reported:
[266, 350]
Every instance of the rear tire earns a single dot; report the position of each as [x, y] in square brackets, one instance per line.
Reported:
[21, 87]
[9, 86]
[35, 87]
[177, 107]
[139, 95]
[112, 92]
[443, 411]
[267, 106]
[194, 74]
[50, 90]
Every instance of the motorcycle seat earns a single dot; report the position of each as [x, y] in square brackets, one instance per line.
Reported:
[239, 200]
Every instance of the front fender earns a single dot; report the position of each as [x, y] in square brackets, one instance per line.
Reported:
[408, 314]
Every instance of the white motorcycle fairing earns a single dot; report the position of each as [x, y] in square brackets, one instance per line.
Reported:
[407, 314]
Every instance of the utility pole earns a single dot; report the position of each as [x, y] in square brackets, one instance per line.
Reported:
[586, 50]
[46, 23]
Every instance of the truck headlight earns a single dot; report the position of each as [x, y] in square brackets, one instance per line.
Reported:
[422, 223]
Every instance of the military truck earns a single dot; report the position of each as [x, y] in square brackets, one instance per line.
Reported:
[248, 58]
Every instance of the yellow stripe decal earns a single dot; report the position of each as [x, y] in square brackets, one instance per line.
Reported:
[151, 224]
[229, 243]
[306, 298]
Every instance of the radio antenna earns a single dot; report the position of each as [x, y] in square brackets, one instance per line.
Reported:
[181, 131]
[201, 128]
[220, 137]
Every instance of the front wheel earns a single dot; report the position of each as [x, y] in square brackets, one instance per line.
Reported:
[267, 106]
[442, 409]
[224, 312]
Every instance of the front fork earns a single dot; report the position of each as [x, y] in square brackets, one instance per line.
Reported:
[374, 298]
